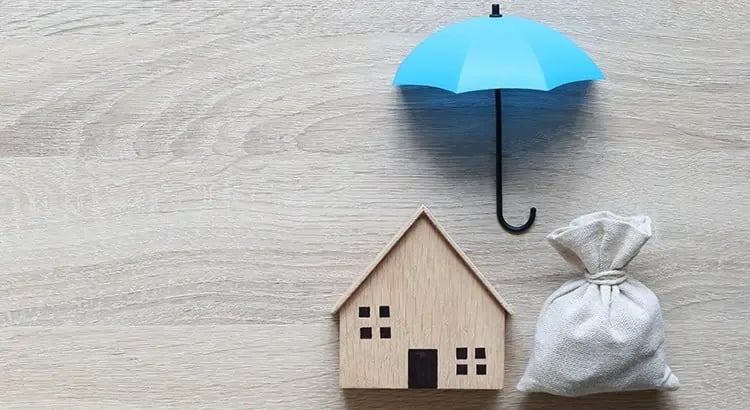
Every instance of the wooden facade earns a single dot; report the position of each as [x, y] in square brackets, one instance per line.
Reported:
[422, 316]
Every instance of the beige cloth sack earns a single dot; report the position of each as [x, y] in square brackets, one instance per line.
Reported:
[603, 332]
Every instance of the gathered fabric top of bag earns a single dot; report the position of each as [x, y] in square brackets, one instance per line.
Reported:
[602, 244]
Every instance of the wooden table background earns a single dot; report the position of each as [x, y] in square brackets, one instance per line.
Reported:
[186, 187]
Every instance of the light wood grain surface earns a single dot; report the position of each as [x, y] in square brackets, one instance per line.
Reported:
[186, 188]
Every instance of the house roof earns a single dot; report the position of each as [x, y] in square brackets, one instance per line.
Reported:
[422, 211]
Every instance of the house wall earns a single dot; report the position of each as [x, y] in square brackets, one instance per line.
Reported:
[435, 302]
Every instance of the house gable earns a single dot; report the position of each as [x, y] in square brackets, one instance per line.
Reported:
[423, 212]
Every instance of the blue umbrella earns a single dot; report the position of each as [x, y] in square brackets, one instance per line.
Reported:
[495, 52]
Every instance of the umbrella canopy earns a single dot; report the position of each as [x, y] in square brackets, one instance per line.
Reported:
[486, 53]
[493, 53]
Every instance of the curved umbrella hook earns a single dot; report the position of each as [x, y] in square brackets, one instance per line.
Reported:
[515, 229]
[499, 171]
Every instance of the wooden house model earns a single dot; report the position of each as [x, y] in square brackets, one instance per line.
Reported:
[422, 316]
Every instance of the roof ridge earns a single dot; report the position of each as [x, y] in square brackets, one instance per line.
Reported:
[423, 210]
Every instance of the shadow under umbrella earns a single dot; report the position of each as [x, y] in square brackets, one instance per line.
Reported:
[458, 130]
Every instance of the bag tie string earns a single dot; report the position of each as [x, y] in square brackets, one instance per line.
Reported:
[607, 277]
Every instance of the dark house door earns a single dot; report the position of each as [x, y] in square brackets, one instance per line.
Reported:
[423, 366]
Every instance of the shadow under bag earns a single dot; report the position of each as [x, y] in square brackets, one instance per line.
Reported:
[603, 332]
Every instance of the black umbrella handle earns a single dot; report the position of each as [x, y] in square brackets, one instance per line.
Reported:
[499, 171]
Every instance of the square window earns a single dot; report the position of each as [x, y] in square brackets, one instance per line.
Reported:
[385, 332]
[462, 369]
[479, 353]
[462, 353]
[364, 311]
[365, 333]
[481, 369]
[385, 311]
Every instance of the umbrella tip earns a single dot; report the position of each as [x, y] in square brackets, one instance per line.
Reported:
[496, 11]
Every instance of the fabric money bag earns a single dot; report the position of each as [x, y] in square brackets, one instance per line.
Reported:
[603, 332]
